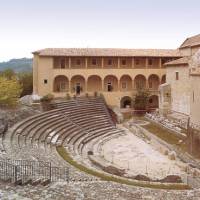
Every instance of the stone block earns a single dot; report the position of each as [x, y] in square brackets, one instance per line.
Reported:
[172, 155]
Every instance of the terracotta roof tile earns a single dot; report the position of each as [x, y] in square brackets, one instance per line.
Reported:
[180, 61]
[191, 41]
[108, 52]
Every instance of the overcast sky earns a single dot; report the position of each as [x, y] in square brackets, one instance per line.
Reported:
[26, 26]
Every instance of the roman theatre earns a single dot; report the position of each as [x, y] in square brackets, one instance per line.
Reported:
[78, 131]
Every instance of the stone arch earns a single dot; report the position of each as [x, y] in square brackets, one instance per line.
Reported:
[61, 84]
[140, 82]
[163, 79]
[110, 83]
[125, 83]
[153, 101]
[78, 84]
[153, 82]
[94, 83]
[126, 102]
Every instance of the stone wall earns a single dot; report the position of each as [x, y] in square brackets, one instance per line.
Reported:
[180, 89]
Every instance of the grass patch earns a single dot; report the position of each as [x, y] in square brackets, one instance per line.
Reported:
[165, 135]
[161, 133]
[65, 155]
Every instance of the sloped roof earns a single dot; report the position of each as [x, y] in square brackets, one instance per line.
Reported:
[108, 52]
[180, 61]
[191, 41]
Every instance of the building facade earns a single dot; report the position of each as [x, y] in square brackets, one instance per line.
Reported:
[177, 76]
[180, 80]
[195, 89]
[115, 73]
[183, 89]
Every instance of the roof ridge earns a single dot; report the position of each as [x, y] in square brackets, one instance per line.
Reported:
[191, 41]
[107, 52]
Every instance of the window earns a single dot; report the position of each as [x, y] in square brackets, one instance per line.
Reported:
[62, 63]
[124, 85]
[94, 62]
[137, 61]
[45, 81]
[177, 76]
[78, 62]
[109, 62]
[150, 61]
[150, 100]
[123, 62]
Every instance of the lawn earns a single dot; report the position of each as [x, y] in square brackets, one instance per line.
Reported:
[165, 135]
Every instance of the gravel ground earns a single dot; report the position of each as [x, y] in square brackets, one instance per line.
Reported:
[92, 191]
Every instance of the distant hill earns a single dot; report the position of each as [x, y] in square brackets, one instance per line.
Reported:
[18, 65]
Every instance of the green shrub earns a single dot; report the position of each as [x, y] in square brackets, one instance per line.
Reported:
[68, 97]
[10, 90]
[47, 98]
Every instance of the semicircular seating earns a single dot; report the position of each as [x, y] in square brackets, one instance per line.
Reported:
[73, 124]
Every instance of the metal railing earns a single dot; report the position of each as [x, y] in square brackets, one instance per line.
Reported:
[26, 170]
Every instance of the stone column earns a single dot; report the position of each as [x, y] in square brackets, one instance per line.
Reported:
[86, 86]
[86, 62]
[103, 85]
[146, 63]
[70, 90]
[133, 62]
[70, 62]
[102, 62]
[160, 62]
[118, 63]
[118, 85]
[147, 83]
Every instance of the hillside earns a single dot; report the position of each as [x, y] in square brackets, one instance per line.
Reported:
[18, 65]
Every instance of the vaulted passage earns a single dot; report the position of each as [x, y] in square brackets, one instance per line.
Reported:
[153, 81]
[78, 84]
[140, 82]
[126, 102]
[125, 83]
[94, 83]
[61, 84]
[110, 83]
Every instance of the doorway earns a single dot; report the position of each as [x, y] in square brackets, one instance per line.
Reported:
[78, 89]
[126, 102]
[109, 87]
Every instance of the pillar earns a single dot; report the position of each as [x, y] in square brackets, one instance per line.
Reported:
[133, 62]
[160, 62]
[86, 83]
[86, 62]
[146, 63]
[102, 62]
[118, 62]
[70, 62]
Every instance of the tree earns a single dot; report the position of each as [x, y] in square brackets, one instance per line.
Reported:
[26, 81]
[141, 99]
[10, 91]
[8, 73]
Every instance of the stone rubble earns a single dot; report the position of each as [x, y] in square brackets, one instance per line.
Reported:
[75, 190]
[97, 190]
